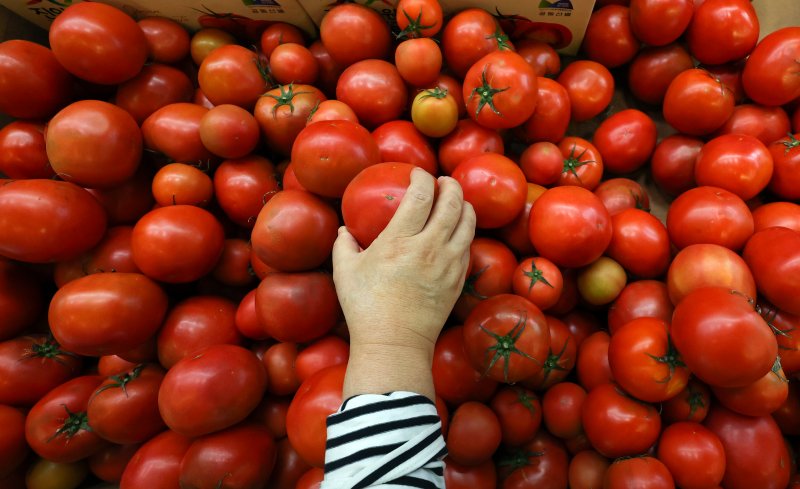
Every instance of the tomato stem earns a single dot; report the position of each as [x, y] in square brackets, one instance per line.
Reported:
[73, 424]
[506, 345]
[486, 93]
[414, 28]
[536, 275]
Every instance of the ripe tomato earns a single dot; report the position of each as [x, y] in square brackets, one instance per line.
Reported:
[495, 186]
[34, 85]
[506, 337]
[767, 76]
[468, 139]
[618, 425]
[293, 63]
[402, 141]
[229, 131]
[542, 163]
[352, 32]
[206, 40]
[284, 111]
[109, 463]
[130, 201]
[609, 39]
[327, 155]
[640, 243]
[786, 160]
[333, 110]
[625, 140]
[454, 379]
[154, 87]
[167, 40]
[13, 447]
[419, 61]
[279, 361]
[772, 255]
[561, 409]
[784, 214]
[560, 359]
[22, 151]
[375, 91]
[693, 454]
[312, 479]
[470, 35]
[542, 463]
[722, 31]
[157, 463]
[583, 163]
[492, 267]
[708, 265]
[592, 364]
[709, 215]
[767, 124]
[538, 280]
[474, 434]
[56, 427]
[761, 398]
[76, 35]
[322, 353]
[691, 404]
[660, 22]
[179, 183]
[317, 398]
[289, 467]
[736, 162]
[587, 470]
[500, 90]
[654, 68]
[721, 338]
[645, 298]
[244, 186]
[590, 87]
[178, 243]
[434, 112]
[672, 163]
[419, 18]
[630, 473]
[783, 324]
[541, 56]
[570, 226]
[174, 130]
[192, 398]
[457, 476]
[277, 34]
[519, 412]
[233, 74]
[697, 103]
[550, 119]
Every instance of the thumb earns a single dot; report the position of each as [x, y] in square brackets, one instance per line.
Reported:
[345, 247]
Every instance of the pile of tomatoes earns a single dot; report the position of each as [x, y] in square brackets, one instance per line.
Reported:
[167, 313]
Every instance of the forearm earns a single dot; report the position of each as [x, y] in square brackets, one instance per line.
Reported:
[379, 369]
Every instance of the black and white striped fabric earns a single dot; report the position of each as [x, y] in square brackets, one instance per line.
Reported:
[387, 441]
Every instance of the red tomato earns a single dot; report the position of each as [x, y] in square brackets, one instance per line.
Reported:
[560, 359]
[639, 242]
[570, 226]
[130, 201]
[619, 194]
[289, 467]
[767, 124]
[33, 85]
[506, 337]
[192, 398]
[56, 427]
[154, 87]
[457, 476]
[773, 255]
[109, 463]
[106, 313]
[672, 163]
[492, 267]
[352, 32]
[375, 91]
[419, 18]
[32, 366]
[322, 353]
[109, 365]
[708, 265]
[474, 434]
[177, 244]
[541, 56]
[242, 456]
[691, 404]
[157, 463]
[22, 151]
[541, 463]
[495, 186]
[587, 470]
[786, 415]
[311, 479]
[592, 364]
[233, 267]
[329, 70]
[195, 323]
[609, 39]
[293, 63]
[21, 299]
[590, 87]
[174, 130]
[709, 215]
[277, 34]
[333, 110]
[454, 379]
[233, 75]
[645, 298]
[419, 61]
[618, 425]
[402, 141]
[167, 40]
[736, 162]
[553, 108]
[515, 233]
[327, 155]
[654, 68]
[660, 22]
[583, 164]
[721, 338]
[542, 163]
[468, 139]
[538, 280]
[284, 111]
[229, 131]
[500, 90]
[630, 473]
[470, 35]
[244, 186]
[519, 412]
[784, 214]
[625, 140]
[786, 161]
[561, 409]
[783, 325]
[316, 399]
[297, 307]
[279, 361]
[755, 453]
[78, 31]
[722, 31]
[178, 183]
[767, 76]
[697, 103]
[124, 408]
[761, 398]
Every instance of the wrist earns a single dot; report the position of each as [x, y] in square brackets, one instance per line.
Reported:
[379, 368]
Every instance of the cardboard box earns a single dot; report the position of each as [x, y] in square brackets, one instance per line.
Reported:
[561, 23]
[239, 16]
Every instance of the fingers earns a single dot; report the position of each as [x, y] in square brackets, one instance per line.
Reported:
[446, 211]
[465, 229]
[415, 207]
[344, 247]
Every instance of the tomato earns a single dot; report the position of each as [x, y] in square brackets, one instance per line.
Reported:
[619, 194]
[772, 255]
[289, 467]
[786, 415]
[468, 139]
[352, 33]
[178, 243]
[178, 183]
[457, 476]
[697, 103]
[767, 124]
[639, 242]
[124, 408]
[492, 267]
[229, 131]
[13, 447]
[192, 398]
[419, 61]
[109, 463]
[592, 365]
[56, 427]
[500, 90]
[375, 91]
[541, 56]
[542, 463]
[317, 398]
[551, 117]
[561, 409]
[634, 472]
[474, 434]
[327, 155]
[130, 201]
[244, 186]
[583, 163]
[279, 361]
[495, 186]
[538, 280]
[242, 456]
[154, 87]
[784, 214]
[625, 140]
[761, 398]
[783, 324]
[297, 307]
[721, 338]
[402, 141]
[590, 87]
[470, 35]
[672, 163]
[645, 298]
[570, 226]
[277, 34]
[232, 74]
[283, 112]
[46, 474]
[711, 35]
[542, 163]
[22, 151]
[561, 358]
[75, 36]
[786, 160]
[709, 215]
[454, 379]
[333, 110]
[520, 414]
[419, 18]
[206, 40]
[601, 281]
[174, 130]
[167, 40]
[31, 366]
[587, 470]
[660, 22]
[322, 353]
[311, 479]
[708, 265]
[33, 85]
[755, 453]
[736, 162]
[271, 412]
[434, 112]
[654, 68]
[157, 463]
[767, 76]
[293, 63]
[609, 39]
[193, 324]
[691, 404]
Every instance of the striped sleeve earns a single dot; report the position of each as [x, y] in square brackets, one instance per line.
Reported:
[390, 441]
